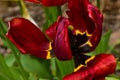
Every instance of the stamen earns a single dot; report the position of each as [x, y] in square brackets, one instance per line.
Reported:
[71, 27]
[89, 43]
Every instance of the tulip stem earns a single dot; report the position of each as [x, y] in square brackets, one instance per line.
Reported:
[17, 60]
[23, 9]
[51, 14]
[98, 4]
[24, 14]
[59, 11]
[3, 29]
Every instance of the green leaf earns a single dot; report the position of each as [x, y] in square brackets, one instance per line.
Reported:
[64, 68]
[37, 66]
[33, 76]
[112, 78]
[51, 14]
[3, 30]
[8, 73]
[118, 65]
[43, 79]
[103, 45]
[4, 69]
[3, 27]
[3, 76]
[16, 73]
[10, 60]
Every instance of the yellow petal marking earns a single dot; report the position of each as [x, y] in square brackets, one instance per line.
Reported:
[48, 52]
[48, 55]
[79, 32]
[81, 65]
[87, 34]
[76, 69]
[89, 59]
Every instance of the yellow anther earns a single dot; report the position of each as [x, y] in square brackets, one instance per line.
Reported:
[89, 43]
[71, 27]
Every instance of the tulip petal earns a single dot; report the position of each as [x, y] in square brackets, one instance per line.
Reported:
[78, 16]
[97, 17]
[80, 58]
[87, 22]
[50, 2]
[58, 32]
[96, 68]
[51, 31]
[28, 38]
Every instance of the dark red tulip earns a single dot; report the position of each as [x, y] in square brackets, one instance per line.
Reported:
[58, 32]
[86, 21]
[67, 37]
[95, 68]
[28, 38]
[80, 33]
